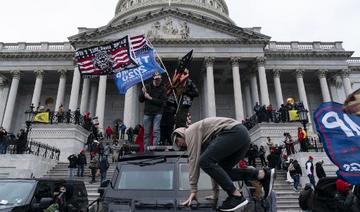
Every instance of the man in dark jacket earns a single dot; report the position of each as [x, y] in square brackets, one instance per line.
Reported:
[310, 170]
[77, 115]
[72, 165]
[104, 165]
[81, 163]
[295, 173]
[320, 173]
[21, 142]
[154, 97]
[186, 95]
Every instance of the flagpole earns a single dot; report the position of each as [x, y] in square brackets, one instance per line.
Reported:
[167, 73]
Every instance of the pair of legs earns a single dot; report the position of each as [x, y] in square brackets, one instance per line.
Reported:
[296, 179]
[223, 153]
[80, 172]
[151, 122]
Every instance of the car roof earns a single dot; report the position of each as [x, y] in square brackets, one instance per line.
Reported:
[40, 179]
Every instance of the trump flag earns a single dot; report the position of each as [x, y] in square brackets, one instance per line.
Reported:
[147, 67]
[340, 135]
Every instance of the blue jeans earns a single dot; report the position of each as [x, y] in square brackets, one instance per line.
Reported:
[152, 121]
[296, 179]
[72, 172]
[312, 179]
[2, 148]
[103, 177]
[80, 172]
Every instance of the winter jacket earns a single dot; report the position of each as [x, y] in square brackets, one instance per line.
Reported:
[190, 92]
[109, 131]
[199, 134]
[94, 164]
[320, 173]
[104, 165]
[72, 161]
[309, 168]
[154, 106]
[82, 159]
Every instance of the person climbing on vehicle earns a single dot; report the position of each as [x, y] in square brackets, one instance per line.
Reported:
[216, 145]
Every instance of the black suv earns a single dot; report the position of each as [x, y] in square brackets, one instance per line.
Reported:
[32, 195]
[155, 181]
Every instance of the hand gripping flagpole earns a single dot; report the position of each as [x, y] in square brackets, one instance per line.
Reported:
[167, 73]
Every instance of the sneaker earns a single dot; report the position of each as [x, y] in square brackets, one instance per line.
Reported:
[233, 203]
[268, 182]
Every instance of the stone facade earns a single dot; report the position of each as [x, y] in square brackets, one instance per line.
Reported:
[233, 67]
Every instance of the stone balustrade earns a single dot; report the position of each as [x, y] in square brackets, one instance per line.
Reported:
[36, 47]
[354, 61]
[304, 46]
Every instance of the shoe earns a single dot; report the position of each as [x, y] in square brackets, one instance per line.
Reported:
[268, 182]
[295, 189]
[233, 203]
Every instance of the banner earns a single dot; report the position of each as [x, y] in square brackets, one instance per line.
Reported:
[340, 135]
[42, 118]
[293, 115]
[147, 67]
[105, 59]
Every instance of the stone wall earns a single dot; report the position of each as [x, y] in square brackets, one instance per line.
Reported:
[24, 166]
[69, 138]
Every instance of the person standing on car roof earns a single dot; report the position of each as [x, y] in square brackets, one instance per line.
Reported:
[216, 145]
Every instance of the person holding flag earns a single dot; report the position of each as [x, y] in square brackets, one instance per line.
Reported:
[153, 95]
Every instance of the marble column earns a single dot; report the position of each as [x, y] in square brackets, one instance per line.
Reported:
[85, 96]
[205, 101]
[100, 106]
[346, 81]
[209, 61]
[239, 108]
[301, 87]
[74, 95]
[254, 89]
[249, 107]
[264, 92]
[93, 94]
[324, 85]
[130, 107]
[278, 90]
[61, 89]
[10, 106]
[4, 91]
[37, 89]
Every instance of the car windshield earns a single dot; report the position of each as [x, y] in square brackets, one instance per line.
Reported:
[146, 177]
[204, 182]
[14, 193]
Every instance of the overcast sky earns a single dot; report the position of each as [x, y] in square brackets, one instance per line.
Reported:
[283, 20]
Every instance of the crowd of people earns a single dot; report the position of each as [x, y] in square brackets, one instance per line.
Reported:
[263, 113]
[11, 144]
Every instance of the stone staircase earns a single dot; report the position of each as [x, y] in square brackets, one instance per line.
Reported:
[61, 171]
[286, 197]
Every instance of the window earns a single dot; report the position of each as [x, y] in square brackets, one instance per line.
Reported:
[15, 193]
[146, 177]
[204, 182]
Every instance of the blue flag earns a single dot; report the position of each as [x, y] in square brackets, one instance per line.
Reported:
[340, 135]
[147, 67]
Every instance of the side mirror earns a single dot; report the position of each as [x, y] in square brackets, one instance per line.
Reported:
[45, 202]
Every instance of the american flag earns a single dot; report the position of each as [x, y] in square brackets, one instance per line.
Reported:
[105, 59]
[138, 42]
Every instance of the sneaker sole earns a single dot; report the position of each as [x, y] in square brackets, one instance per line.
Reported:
[272, 178]
[237, 207]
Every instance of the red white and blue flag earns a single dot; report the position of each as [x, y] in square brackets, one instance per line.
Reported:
[107, 59]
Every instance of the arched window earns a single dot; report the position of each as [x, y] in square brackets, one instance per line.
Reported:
[131, 3]
[211, 3]
[204, 1]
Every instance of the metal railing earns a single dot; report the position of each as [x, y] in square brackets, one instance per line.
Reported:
[43, 150]
[34, 148]
[65, 118]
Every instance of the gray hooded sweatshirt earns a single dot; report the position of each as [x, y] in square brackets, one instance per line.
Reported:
[198, 134]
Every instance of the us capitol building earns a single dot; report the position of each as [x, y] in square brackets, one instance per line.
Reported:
[233, 67]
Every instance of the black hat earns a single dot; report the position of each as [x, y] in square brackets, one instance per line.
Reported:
[185, 61]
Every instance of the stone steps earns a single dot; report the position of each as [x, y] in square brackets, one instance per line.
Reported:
[61, 171]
